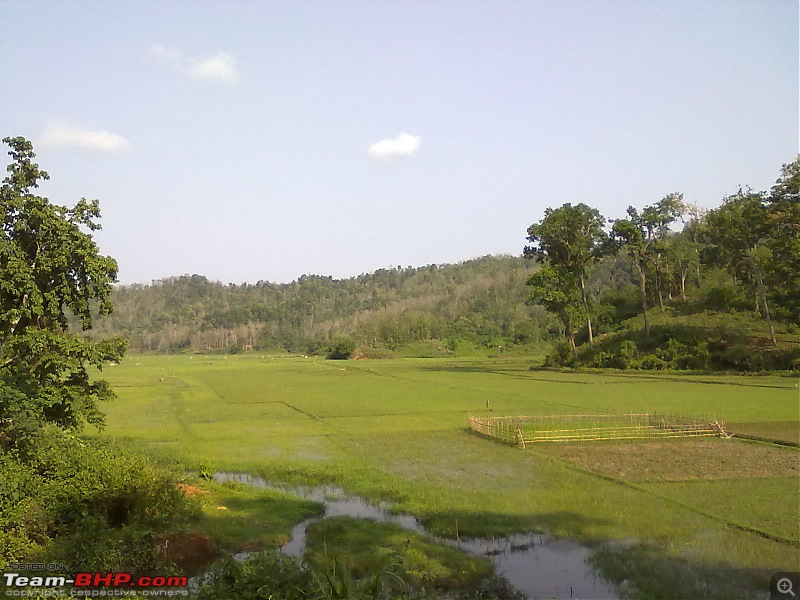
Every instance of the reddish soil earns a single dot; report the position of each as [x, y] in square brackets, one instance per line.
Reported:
[191, 490]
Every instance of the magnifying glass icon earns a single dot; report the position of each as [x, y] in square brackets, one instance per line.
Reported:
[784, 586]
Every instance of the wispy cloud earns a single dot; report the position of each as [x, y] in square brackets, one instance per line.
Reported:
[403, 144]
[218, 68]
[60, 135]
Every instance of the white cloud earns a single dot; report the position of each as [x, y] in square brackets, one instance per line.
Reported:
[69, 136]
[220, 67]
[403, 144]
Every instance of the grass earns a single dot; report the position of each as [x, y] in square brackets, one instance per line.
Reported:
[780, 431]
[682, 460]
[768, 505]
[396, 430]
[240, 517]
[366, 546]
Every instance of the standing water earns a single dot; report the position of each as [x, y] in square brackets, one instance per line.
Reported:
[539, 566]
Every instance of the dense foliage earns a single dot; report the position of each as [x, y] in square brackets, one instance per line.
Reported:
[49, 266]
[474, 306]
[570, 239]
[741, 257]
[62, 499]
[65, 500]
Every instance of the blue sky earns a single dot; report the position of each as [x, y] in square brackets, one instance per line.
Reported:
[255, 141]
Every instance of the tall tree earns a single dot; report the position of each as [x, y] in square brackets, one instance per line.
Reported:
[554, 287]
[49, 266]
[683, 255]
[783, 221]
[570, 238]
[642, 234]
[738, 232]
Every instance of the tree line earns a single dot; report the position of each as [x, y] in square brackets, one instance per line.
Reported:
[473, 306]
[753, 237]
[588, 274]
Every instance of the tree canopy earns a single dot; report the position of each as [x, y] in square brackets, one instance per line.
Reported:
[50, 269]
[571, 238]
[643, 234]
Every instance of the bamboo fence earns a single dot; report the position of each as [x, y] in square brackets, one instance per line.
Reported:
[523, 430]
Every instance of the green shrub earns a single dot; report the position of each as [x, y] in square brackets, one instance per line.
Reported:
[266, 575]
[723, 297]
[626, 356]
[744, 358]
[341, 347]
[206, 471]
[562, 357]
[652, 362]
[24, 523]
[94, 478]
[87, 503]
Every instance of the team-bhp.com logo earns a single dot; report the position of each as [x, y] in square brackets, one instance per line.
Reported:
[93, 585]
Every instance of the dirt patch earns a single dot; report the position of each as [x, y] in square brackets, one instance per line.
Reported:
[680, 460]
[190, 552]
[191, 490]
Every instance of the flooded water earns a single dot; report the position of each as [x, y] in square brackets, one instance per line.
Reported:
[537, 565]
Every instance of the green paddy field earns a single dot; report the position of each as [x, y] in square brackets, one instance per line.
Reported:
[704, 517]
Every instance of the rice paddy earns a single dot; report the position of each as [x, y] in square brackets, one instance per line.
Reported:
[396, 430]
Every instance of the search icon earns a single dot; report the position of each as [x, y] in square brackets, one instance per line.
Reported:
[784, 586]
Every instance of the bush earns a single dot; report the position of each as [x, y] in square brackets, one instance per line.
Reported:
[626, 356]
[342, 347]
[263, 575]
[24, 523]
[67, 500]
[724, 296]
[562, 357]
[652, 362]
[743, 358]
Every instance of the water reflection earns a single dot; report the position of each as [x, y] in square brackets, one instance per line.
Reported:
[539, 566]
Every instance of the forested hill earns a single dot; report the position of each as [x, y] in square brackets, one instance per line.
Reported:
[471, 306]
[583, 281]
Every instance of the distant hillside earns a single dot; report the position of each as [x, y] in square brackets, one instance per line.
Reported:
[475, 307]
[467, 307]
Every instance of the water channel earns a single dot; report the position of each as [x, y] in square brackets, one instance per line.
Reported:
[537, 565]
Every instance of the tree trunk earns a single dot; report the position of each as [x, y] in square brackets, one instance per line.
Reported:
[643, 293]
[586, 308]
[763, 292]
[683, 284]
[659, 295]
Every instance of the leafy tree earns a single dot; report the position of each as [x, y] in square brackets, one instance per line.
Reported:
[49, 266]
[683, 253]
[572, 238]
[642, 235]
[787, 187]
[555, 288]
[783, 224]
[739, 233]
